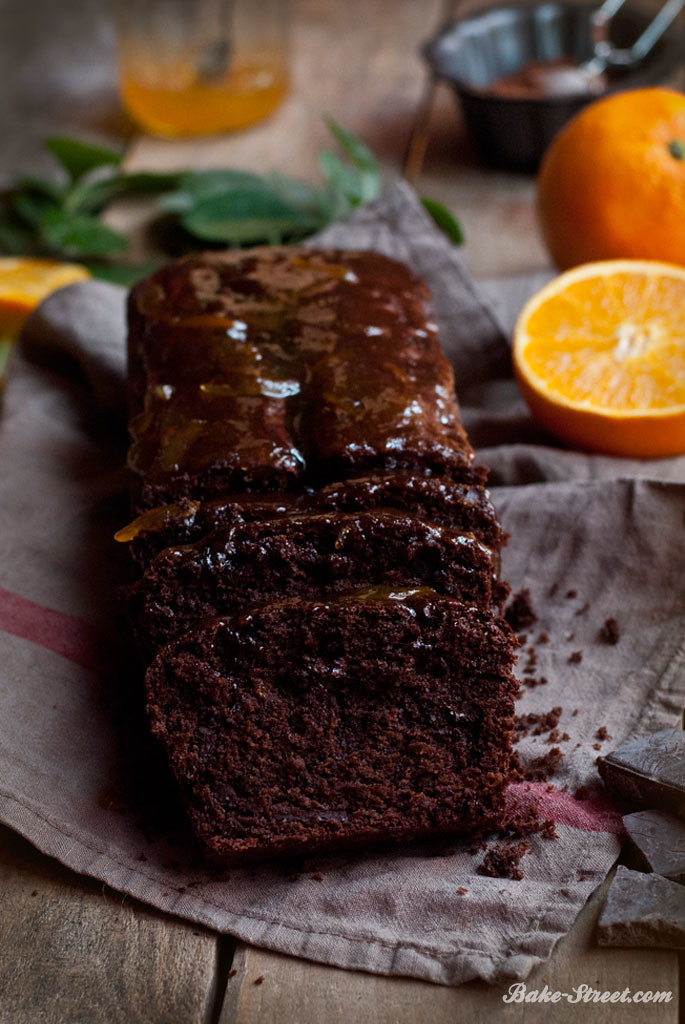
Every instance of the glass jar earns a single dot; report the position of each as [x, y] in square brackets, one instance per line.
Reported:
[197, 67]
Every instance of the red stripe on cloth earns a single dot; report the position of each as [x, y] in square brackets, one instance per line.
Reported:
[592, 815]
[64, 634]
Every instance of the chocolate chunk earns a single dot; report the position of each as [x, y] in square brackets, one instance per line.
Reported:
[643, 910]
[649, 771]
[659, 842]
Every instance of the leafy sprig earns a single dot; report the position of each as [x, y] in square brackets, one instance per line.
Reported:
[61, 217]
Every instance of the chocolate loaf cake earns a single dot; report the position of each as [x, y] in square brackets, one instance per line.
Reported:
[305, 725]
[268, 369]
[301, 555]
[461, 507]
[319, 602]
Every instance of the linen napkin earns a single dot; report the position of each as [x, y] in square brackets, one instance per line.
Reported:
[592, 539]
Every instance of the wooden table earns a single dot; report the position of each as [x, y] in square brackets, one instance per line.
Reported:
[71, 950]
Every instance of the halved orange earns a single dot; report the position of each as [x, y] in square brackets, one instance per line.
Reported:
[26, 282]
[599, 356]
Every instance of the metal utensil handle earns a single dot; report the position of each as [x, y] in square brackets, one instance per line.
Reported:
[609, 54]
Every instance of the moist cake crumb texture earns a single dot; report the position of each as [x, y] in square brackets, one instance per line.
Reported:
[319, 600]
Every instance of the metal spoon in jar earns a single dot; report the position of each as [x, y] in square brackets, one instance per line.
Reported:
[566, 79]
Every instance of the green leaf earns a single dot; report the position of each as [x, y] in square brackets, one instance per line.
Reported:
[88, 196]
[126, 274]
[6, 346]
[50, 189]
[353, 147]
[247, 215]
[79, 158]
[79, 236]
[346, 179]
[444, 219]
[31, 207]
[196, 186]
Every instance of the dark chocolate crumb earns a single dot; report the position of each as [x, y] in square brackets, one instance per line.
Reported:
[502, 860]
[317, 877]
[571, 593]
[609, 633]
[575, 657]
[522, 639]
[232, 973]
[574, 712]
[259, 980]
[602, 733]
[565, 737]
[520, 613]
[35, 892]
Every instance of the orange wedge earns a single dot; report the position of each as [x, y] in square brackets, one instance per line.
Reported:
[26, 282]
[599, 356]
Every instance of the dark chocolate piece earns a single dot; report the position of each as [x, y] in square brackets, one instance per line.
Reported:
[658, 841]
[643, 910]
[649, 771]
[310, 725]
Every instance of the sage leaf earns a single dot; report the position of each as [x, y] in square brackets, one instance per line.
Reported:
[79, 158]
[443, 219]
[79, 236]
[247, 215]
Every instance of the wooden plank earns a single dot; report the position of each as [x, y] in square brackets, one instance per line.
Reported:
[306, 993]
[74, 951]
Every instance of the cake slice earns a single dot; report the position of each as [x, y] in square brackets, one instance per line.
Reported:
[305, 555]
[372, 717]
[439, 500]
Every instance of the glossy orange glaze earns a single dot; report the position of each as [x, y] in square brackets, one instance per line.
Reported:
[275, 366]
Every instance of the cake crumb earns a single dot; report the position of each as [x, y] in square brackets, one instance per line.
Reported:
[596, 746]
[520, 613]
[553, 589]
[583, 608]
[462, 890]
[575, 657]
[574, 712]
[540, 769]
[609, 633]
[317, 877]
[571, 593]
[259, 980]
[232, 973]
[502, 860]
[602, 733]
[543, 638]
[34, 892]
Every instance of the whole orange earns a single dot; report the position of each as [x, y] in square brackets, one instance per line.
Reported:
[612, 183]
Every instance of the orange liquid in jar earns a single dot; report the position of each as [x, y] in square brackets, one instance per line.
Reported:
[175, 100]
